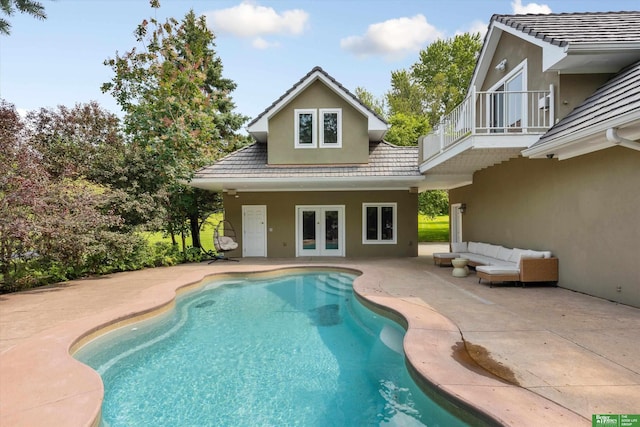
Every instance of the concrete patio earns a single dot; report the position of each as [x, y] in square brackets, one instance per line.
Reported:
[550, 356]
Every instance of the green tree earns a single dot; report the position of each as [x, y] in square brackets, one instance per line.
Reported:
[177, 105]
[433, 203]
[406, 129]
[9, 7]
[405, 95]
[376, 105]
[87, 142]
[443, 73]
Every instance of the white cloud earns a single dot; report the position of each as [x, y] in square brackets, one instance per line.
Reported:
[260, 43]
[522, 9]
[475, 27]
[393, 38]
[251, 20]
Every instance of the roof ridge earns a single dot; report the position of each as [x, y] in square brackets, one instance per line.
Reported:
[315, 69]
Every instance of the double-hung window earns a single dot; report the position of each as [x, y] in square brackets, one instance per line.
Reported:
[330, 127]
[305, 128]
[379, 223]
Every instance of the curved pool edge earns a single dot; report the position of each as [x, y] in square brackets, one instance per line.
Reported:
[50, 387]
[466, 389]
[43, 384]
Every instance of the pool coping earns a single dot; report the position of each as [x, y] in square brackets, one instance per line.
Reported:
[51, 386]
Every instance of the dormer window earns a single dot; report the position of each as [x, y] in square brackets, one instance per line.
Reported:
[331, 130]
[305, 128]
[328, 131]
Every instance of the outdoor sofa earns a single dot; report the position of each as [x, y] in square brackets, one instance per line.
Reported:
[495, 263]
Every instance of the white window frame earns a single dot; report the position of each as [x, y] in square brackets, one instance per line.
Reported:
[520, 69]
[314, 127]
[378, 240]
[324, 111]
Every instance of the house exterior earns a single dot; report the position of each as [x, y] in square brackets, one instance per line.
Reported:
[544, 152]
[319, 180]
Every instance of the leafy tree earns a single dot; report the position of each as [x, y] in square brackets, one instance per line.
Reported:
[443, 73]
[406, 129]
[433, 203]
[9, 7]
[86, 141]
[177, 104]
[367, 98]
[405, 95]
[58, 223]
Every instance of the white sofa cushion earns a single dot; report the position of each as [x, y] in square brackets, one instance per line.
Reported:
[459, 247]
[491, 250]
[473, 247]
[504, 254]
[516, 253]
[498, 269]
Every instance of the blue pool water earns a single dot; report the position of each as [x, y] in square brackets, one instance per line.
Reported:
[297, 350]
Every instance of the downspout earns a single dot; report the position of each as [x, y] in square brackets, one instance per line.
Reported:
[612, 136]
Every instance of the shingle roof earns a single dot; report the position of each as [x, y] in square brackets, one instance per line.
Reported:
[575, 28]
[619, 96]
[385, 160]
[302, 80]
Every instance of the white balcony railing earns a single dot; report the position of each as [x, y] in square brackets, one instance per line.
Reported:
[492, 113]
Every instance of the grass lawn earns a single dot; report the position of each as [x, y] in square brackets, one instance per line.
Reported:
[206, 234]
[436, 230]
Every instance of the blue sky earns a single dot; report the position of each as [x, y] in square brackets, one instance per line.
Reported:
[265, 46]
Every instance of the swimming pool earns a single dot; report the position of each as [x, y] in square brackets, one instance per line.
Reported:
[297, 349]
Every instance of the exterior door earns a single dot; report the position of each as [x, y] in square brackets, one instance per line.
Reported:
[456, 223]
[320, 231]
[254, 231]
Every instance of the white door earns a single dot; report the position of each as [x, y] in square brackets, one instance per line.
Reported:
[254, 230]
[320, 231]
[456, 223]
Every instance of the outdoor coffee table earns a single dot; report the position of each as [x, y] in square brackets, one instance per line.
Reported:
[460, 268]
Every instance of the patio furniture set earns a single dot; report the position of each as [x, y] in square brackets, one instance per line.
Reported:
[495, 263]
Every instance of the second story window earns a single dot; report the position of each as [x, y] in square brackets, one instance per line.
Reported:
[331, 127]
[305, 128]
[318, 127]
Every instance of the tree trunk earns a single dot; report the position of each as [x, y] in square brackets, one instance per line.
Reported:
[195, 230]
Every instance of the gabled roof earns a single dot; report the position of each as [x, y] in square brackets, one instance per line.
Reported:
[590, 42]
[615, 105]
[389, 167]
[562, 29]
[259, 127]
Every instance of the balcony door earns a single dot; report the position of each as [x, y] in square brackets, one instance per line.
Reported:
[507, 107]
[320, 231]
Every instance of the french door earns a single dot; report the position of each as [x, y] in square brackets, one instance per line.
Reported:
[320, 231]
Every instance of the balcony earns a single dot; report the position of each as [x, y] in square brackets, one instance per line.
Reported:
[485, 129]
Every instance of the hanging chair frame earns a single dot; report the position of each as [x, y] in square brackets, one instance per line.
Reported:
[224, 240]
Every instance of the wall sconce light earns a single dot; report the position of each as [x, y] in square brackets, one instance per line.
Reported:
[462, 208]
[502, 65]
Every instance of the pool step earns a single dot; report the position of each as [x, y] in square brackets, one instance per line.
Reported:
[335, 283]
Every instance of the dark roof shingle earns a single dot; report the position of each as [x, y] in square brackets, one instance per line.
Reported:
[576, 28]
[385, 160]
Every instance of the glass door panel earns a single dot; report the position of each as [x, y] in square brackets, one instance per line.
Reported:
[309, 234]
[332, 230]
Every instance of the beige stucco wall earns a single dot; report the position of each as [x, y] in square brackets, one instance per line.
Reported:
[570, 89]
[585, 210]
[355, 138]
[281, 211]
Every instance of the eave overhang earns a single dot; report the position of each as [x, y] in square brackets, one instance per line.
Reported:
[344, 183]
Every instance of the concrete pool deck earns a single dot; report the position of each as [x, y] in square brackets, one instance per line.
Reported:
[570, 354]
